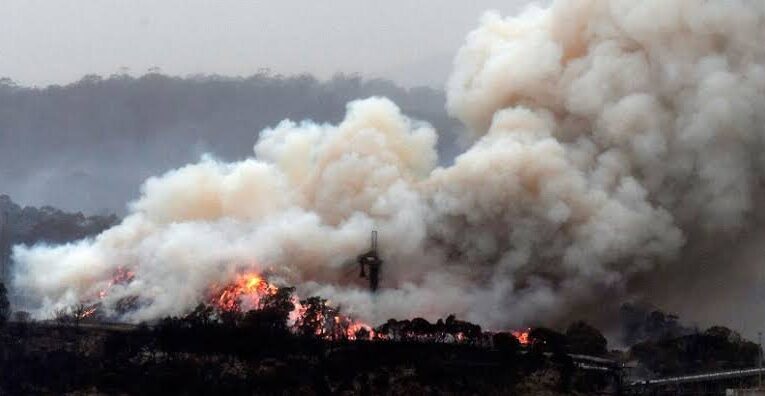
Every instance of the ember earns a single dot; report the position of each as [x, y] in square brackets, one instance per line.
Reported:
[522, 336]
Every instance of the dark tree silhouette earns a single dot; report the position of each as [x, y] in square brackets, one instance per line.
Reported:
[280, 304]
[717, 348]
[201, 317]
[362, 334]
[506, 343]
[585, 339]
[22, 316]
[462, 330]
[5, 306]
[547, 340]
[422, 329]
[647, 323]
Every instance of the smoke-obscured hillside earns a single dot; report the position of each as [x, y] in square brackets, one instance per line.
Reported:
[88, 146]
[30, 225]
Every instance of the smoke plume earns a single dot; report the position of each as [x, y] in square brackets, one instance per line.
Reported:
[606, 136]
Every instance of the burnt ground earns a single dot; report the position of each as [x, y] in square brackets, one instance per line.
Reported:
[53, 358]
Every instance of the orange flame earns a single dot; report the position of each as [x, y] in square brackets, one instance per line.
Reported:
[522, 336]
[351, 329]
[119, 277]
[245, 292]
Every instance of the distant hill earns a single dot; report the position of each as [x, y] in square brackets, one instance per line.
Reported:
[87, 146]
[29, 225]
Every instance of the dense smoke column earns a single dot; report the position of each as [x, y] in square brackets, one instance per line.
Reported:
[663, 99]
[605, 134]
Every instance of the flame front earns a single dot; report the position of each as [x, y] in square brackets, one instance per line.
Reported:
[245, 293]
[248, 290]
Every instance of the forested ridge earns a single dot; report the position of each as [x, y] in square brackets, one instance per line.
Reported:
[89, 145]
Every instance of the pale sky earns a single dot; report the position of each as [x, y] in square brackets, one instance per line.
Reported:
[412, 41]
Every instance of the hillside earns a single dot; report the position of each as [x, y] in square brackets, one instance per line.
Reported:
[87, 146]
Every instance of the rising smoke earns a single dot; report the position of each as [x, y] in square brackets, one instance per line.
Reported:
[607, 135]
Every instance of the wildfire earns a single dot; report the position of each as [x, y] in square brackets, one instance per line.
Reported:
[316, 316]
[86, 312]
[351, 329]
[357, 328]
[120, 276]
[91, 308]
[246, 292]
[522, 336]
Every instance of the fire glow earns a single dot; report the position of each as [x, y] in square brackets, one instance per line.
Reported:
[522, 336]
[249, 290]
[246, 292]
[121, 276]
[86, 312]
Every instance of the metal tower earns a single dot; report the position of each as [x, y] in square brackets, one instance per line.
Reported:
[370, 263]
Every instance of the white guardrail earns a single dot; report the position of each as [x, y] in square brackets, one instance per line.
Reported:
[700, 377]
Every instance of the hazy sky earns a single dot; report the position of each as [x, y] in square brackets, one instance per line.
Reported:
[44, 42]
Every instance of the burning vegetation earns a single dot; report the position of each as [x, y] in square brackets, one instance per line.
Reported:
[564, 191]
[250, 295]
[253, 336]
[121, 276]
[247, 291]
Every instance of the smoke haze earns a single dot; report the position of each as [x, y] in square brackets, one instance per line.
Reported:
[88, 146]
[44, 42]
[609, 139]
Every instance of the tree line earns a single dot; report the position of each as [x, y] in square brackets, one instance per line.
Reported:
[88, 145]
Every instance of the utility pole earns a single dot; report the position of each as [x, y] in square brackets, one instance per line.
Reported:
[759, 360]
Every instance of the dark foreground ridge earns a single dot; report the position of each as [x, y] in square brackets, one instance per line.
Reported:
[180, 357]
[210, 351]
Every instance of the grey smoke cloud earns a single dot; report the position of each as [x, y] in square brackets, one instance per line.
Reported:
[606, 137]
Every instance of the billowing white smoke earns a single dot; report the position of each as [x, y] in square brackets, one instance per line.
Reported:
[603, 130]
